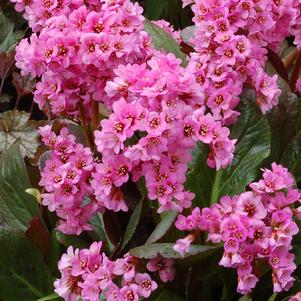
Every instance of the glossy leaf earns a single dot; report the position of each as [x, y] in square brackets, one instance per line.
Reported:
[16, 125]
[99, 232]
[132, 224]
[153, 9]
[164, 225]
[149, 251]
[71, 240]
[163, 41]
[49, 297]
[17, 207]
[23, 273]
[9, 36]
[253, 135]
[292, 157]
[200, 177]
[55, 253]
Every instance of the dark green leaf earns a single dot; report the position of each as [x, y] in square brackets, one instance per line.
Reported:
[163, 226]
[200, 177]
[153, 9]
[17, 207]
[55, 253]
[253, 146]
[99, 232]
[163, 41]
[9, 36]
[169, 296]
[132, 225]
[273, 297]
[149, 251]
[49, 297]
[23, 273]
[292, 157]
[71, 240]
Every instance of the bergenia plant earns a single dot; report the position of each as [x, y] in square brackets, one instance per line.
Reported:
[150, 150]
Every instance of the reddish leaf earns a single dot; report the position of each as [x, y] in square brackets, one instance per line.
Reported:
[23, 84]
[39, 235]
[278, 65]
[6, 61]
[296, 72]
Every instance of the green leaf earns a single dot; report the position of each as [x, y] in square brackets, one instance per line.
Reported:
[49, 297]
[99, 232]
[273, 297]
[9, 36]
[23, 273]
[132, 225]
[153, 9]
[253, 146]
[16, 125]
[253, 135]
[35, 193]
[200, 177]
[71, 240]
[169, 296]
[55, 253]
[149, 251]
[245, 298]
[163, 41]
[292, 157]
[163, 226]
[17, 207]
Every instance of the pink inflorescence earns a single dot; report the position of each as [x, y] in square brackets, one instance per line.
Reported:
[256, 228]
[66, 180]
[232, 40]
[88, 273]
[157, 118]
[76, 51]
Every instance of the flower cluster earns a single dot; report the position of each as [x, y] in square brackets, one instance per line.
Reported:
[88, 273]
[256, 228]
[157, 118]
[77, 49]
[66, 180]
[232, 40]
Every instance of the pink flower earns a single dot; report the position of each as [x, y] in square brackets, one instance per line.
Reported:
[182, 245]
[164, 266]
[129, 293]
[251, 205]
[145, 284]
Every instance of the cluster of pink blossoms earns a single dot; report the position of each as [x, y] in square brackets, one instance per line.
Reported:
[256, 228]
[66, 180]
[157, 118]
[232, 41]
[88, 273]
[76, 51]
